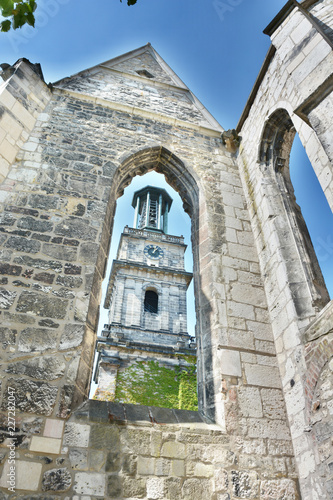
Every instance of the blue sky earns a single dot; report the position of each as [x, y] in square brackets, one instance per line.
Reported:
[215, 46]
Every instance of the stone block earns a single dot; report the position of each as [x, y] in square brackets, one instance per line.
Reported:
[72, 336]
[40, 305]
[230, 363]
[56, 480]
[249, 401]
[203, 470]
[129, 465]
[45, 444]
[89, 483]
[280, 448]
[113, 461]
[27, 475]
[253, 446]
[240, 310]
[262, 376]
[221, 480]
[76, 435]
[136, 442]
[6, 298]
[53, 428]
[248, 294]
[34, 397]
[36, 339]
[196, 489]
[60, 252]
[178, 468]
[162, 467]
[114, 487]
[215, 454]
[76, 228]
[173, 449]
[97, 460]
[133, 487]
[33, 224]
[8, 151]
[264, 428]
[278, 489]
[23, 115]
[273, 404]
[78, 459]
[104, 436]
[155, 488]
[7, 99]
[245, 484]
[7, 337]
[146, 466]
[22, 244]
[41, 368]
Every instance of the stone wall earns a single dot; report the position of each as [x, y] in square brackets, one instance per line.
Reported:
[55, 246]
[113, 451]
[318, 382]
[23, 96]
[55, 239]
[292, 93]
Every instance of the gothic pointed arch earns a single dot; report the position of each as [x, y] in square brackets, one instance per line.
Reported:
[165, 162]
[274, 153]
[182, 179]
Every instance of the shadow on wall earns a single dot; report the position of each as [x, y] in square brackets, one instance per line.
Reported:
[123, 413]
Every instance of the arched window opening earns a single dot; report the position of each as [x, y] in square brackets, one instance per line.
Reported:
[151, 302]
[315, 209]
[276, 144]
[152, 317]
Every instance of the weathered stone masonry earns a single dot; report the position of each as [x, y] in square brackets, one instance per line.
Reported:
[291, 95]
[257, 329]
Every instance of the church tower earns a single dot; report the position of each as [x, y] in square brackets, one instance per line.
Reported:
[146, 299]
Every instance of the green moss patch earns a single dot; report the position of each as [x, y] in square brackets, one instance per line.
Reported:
[149, 384]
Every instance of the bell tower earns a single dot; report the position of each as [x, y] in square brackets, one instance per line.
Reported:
[146, 296]
[152, 206]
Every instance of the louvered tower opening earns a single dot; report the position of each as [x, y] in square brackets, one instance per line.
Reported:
[152, 206]
[152, 221]
[143, 217]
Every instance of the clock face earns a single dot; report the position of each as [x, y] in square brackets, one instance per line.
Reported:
[153, 252]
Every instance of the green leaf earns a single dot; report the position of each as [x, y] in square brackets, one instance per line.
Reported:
[6, 4]
[5, 25]
[7, 8]
[33, 5]
[21, 13]
[30, 19]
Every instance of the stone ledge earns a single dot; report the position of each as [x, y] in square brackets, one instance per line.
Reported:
[105, 411]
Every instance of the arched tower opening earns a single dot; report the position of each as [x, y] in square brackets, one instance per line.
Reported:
[151, 302]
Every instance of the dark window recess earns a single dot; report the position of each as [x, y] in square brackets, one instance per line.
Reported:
[144, 72]
[151, 301]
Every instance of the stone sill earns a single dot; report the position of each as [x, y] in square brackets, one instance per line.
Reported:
[123, 414]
